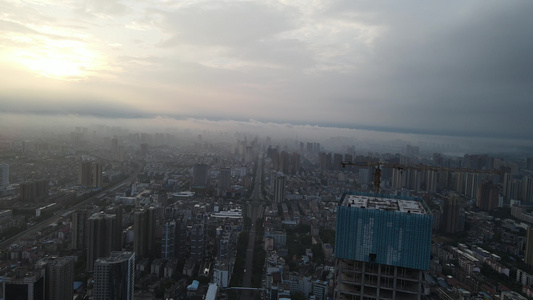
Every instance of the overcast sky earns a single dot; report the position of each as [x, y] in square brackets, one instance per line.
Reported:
[441, 67]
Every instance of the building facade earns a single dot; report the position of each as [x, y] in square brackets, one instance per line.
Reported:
[199, 175]
[114, 276]
[22, 284]
[59, 283]
[102, 237]
[143, 232]
[279, 189]
[168, 240]
[225, 178]
[4, 176]
[382, 247]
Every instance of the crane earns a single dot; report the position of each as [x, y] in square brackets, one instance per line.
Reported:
[421, 167]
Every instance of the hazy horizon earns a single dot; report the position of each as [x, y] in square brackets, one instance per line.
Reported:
[332, 138]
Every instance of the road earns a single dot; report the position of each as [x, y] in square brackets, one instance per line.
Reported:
[255, 211]
[47, 222]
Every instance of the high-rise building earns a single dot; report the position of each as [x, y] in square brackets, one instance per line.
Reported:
[225, 178]
[382, 247]
[516, 189]
[507, 179]
[295, 163]
[529, 163]
[90, 174]
[398, 179]
[337, 159]
[431, 180]
[414, 179]
[528, 255]
[472, 181]
[320, 289]
[324, 160]
[102, 237]
[459, 179]
[478, 162]
[279, 189]
[79, 229]
[59, 277]
[409, 178]
[274, 155]
[181, 231]
[445, 180]
[144, 232]
[221, 273]
[98, 179]
[199, 175]
[168, 240]
[114, 146]
[285, 160]
[117, 225]
[223, 241]
[85, 173]
[527, 189]
[4, 176]
[309, 147]
[114, 276]
[487, 196]
[35, 191]
[22, 284]
[316, 147]
[451, 221]
[197, 242]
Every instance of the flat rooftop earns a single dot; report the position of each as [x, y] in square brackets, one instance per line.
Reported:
[389, 204]
[116, 256]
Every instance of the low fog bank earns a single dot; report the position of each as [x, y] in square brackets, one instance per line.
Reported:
[331, 138]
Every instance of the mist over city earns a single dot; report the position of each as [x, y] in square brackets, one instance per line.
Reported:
[271, 149]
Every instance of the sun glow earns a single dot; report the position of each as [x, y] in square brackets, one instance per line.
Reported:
[69, 60]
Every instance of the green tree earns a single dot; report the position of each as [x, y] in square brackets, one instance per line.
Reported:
[298, 296]
[327, 236]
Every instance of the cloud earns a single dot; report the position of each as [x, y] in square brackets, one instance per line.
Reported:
[461, 68]
[102, 8]
[231, 24]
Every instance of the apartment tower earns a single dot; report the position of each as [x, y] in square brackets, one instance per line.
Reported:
[114, 276]
[382, 247]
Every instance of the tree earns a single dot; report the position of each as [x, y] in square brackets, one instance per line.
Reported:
[298, 296]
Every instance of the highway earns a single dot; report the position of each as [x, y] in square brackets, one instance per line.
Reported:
[37, 227]
[255, 211]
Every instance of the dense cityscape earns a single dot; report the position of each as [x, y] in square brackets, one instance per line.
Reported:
[102, 212]
[266, 150]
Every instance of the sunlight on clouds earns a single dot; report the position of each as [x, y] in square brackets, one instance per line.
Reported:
[235, 64]
[134, 25]
[59, 59]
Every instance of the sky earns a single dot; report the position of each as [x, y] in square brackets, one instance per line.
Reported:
[448, 68]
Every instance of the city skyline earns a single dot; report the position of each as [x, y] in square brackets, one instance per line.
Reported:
[449, 69]
[198, 211]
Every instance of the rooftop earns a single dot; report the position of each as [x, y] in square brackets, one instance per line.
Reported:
[389, 204]
[116, 256]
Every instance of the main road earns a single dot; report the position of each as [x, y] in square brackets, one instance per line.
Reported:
[254, 212]
[47, 222]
